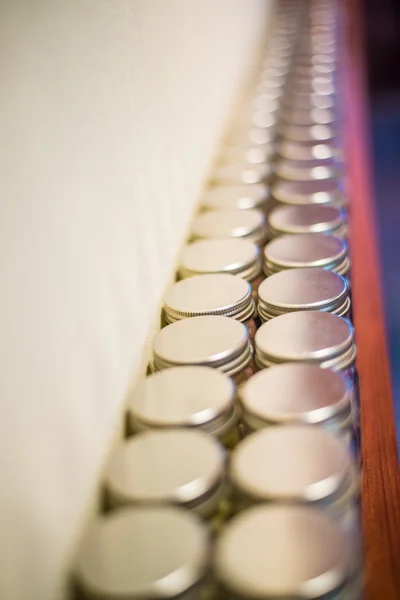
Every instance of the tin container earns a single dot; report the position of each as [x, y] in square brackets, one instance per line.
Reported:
[311, 218]
[240, 173]
[213, 341]
[129, 554]
[303, 290]
[293, 151]
[307, 337]
[270, 552]
[186, 397]
[315, 191]
[308, 250]
[236, 197]
[235, 256]
[216, 294]
[223, 224]
[299, 394]
[297, 465]
[144, 470]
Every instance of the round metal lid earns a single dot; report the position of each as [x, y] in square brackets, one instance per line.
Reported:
[281, 552]
[290, 464]
[308, 336]
[248, 153]
[310, 218]
[129, 554]
[296, 393]
[308, 101]
[148, 468]
[304, 250]
[222, 294]
[302, 289]
[315, 191]
[236, 256]
[207, 340]
[256, 136]
[236, 197]
[240, 173]
[315, 70]
[181, 397]
[309, 117]
[224, 224]
[305, 134]
[305, 170]
[266, 103]
[295, 151]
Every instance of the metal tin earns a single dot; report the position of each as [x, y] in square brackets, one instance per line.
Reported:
[235, 256]
[298, 394]
[246, 153]
[266, 103]
[306, 170]
[270, 552]
[313, 70]
[309, 101]
[144, 470]
[296, 464]
[309, 117]
[129, 554]
[213, 341]
[240, 173]
[303, 289]
[311, 218]
[314, 191]
[215, 294]
[306, 250]
[222, 224]
[251, 136]
[195, 397]
[306, 337]
[236, 197]
[314, 134]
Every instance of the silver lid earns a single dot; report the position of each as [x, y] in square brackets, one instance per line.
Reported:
[246, 153]
[197, 396]
[311, 218]
[313, 70]
[322, 85]
[295, 394]
[309, 101]
[236, 197]
[294, 151]
[215, 294]
[128, 554]
[303, 289]
[305, 170]
[304, 134]
[314, 191]
[213, 341]
[266, 103]
[235, 256]
[307, 336]
[282, 552]
[146, 469]
[223, 224]
[255, 136]
[296, 251]
[241, 173]
[309, 117]
[296, 463]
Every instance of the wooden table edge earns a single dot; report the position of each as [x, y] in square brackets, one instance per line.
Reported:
[380, 467]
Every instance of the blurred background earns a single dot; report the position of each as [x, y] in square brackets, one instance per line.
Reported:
[382, 24]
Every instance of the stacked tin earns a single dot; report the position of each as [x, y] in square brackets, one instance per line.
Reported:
[239, 475]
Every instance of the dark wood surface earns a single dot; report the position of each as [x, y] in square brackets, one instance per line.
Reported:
[380, 467]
